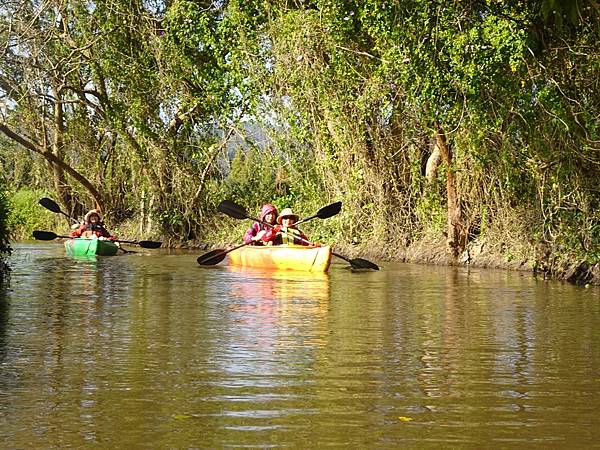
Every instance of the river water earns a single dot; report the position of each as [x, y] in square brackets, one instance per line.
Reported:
[150, 350]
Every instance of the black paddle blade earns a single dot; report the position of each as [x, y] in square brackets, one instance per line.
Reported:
[232, 209]
[149, 244]
[50, 204]
[359, 263]
[329, 210]
[324, 213]
[212, 258]
[44, 235]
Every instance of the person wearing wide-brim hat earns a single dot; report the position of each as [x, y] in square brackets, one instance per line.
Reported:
[286, 231]
[90, 213]
[287, 213]
[92, 227]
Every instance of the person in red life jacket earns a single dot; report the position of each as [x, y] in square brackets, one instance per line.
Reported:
[259, 233]
[286, 231]
[92, 227]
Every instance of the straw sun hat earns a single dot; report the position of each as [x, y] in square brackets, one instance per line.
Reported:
[90, 213]
[287, 212]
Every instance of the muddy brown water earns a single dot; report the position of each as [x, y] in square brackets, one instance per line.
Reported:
[150, 350]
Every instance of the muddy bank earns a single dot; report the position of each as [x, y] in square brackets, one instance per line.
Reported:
[481, 254]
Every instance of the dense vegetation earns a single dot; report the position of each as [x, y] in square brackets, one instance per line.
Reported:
[4, 244]
[472, 124]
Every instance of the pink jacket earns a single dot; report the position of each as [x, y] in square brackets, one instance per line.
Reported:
[257, 226]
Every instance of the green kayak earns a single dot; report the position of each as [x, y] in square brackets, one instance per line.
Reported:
[90, 247]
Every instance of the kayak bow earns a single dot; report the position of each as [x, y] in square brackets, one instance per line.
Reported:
[90, 247]
[283, 257]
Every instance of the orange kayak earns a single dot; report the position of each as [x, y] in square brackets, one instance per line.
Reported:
[283, 257]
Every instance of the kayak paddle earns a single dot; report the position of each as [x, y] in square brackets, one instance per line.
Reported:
[49, 236]
[216, 256]
[238, 212]
[51, 205]
[231, 209]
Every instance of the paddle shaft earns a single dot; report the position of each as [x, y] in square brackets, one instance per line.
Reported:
[216, 256]
[112, 240]
[68, 217]
[49, 236]
[345, 258]
[356, 263]
[324, 213]
[237, 212]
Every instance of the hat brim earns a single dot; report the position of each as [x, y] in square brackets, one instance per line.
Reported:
[92, 213]
[288, 216]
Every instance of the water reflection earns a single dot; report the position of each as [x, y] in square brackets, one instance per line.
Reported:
[163, 350]
[271, 327]
[280, 284]
[276, 311]
[4, 311]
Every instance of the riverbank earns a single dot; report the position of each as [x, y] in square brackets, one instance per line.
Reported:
[486, 254]
[515, 252]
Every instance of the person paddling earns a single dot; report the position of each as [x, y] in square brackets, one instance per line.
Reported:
[92, 227]
[259, 233]
[286, 231]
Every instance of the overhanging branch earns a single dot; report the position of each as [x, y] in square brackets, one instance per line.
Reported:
[53, 159]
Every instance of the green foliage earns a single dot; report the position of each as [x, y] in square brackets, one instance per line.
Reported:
[27, 215]
[431, 211]
[257, 177]
[4, 216]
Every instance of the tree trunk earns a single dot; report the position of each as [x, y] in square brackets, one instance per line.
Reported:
[433, 162]
[456, 239]
[61, 185]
